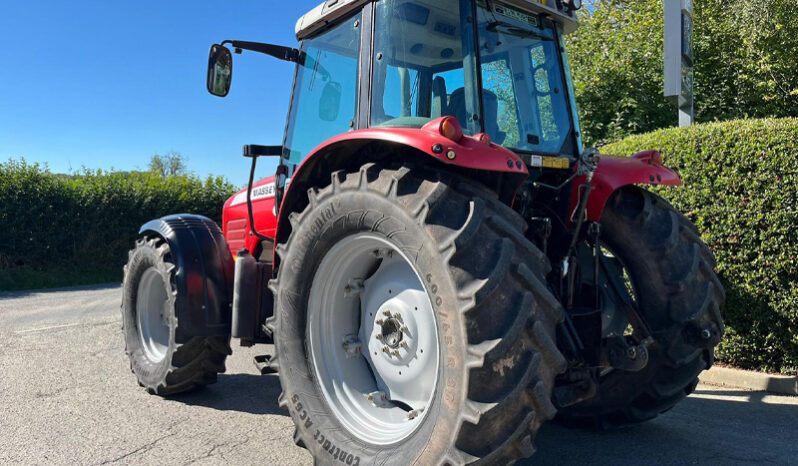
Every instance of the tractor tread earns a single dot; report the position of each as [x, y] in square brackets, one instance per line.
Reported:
[501, 292]
[688, 302]
[193, 364]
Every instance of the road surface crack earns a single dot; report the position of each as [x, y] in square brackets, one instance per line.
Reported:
[220, 449]
[149, 446]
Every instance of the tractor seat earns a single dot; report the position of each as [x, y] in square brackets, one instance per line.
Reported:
[457, 109]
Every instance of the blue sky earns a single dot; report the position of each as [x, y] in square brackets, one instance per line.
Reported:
[108, 84]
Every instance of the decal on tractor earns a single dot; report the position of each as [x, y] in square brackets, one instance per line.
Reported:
[261, 192]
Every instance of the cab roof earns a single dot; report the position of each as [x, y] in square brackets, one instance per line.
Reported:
[332, 10]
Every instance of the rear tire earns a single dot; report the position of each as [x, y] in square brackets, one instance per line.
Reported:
[495, 319]
[149, 322]
[679, 296]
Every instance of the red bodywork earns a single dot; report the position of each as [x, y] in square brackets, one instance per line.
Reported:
[615, 172]
[469, 151]
[235, 223]
[473, 152]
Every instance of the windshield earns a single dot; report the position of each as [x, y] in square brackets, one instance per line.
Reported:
[524, 93]
[425, 66]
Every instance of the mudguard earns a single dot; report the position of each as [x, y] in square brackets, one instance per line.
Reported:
[205, 271]
[616, 172]
[476, 153]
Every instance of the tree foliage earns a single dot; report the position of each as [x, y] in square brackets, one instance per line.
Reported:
[55, 229]
[745, 64]
[170, 164]
[746, 54]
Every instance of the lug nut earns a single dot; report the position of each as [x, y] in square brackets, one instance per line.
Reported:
[386, 350]
[386, 313]
[397, 316]
[631, 353]
[353, 288]
[379, 322]
[378, 336]
[403, 344]
[404, 328]
[377, 397]
[706, 334]
[395, 353]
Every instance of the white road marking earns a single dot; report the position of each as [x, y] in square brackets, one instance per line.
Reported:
[41, 329]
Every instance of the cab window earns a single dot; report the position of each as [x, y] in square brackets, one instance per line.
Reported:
[324, 103]
[418, 64]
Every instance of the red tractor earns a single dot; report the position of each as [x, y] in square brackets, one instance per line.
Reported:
[440, 265]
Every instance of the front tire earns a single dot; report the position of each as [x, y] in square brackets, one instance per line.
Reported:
[149, 322]
[463, 254]
[679, 296]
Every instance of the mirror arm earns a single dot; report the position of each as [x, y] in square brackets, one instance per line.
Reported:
[276, 51]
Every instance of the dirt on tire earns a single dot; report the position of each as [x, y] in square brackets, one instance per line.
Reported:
[495, 314]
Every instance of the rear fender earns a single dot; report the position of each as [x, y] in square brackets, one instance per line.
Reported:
[204, 274]
[614, 173]
[483, 161]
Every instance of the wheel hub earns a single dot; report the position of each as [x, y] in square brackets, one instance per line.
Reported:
[374, 346]
[152, 315]
[391, 331]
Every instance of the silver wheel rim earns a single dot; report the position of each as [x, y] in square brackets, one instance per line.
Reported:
[152, 315]
[373, 339]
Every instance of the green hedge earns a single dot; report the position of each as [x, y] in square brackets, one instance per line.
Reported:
[61, 230]
[741, 190]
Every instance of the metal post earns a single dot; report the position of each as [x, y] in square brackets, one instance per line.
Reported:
[679, 57]
[686, 116]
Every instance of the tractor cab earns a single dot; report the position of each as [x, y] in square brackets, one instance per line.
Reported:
[503, 74]
[498, 68]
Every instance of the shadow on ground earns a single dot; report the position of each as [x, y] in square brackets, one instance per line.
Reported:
[247, 393]
[713, 426]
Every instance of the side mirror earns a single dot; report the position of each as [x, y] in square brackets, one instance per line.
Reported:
[330, 103]
[220, 70]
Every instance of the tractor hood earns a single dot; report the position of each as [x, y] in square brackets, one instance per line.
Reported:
[235, 223]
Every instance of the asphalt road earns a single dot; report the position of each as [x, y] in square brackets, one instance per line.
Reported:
[67, 397]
